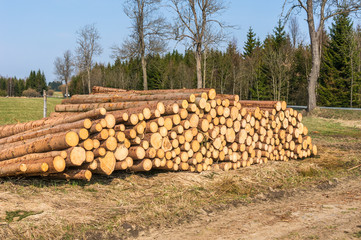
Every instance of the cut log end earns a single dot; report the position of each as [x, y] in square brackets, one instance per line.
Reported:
[111, 143]
[106, 164]
[77, 156]
[23, 167]
[144, 165]
[102, 111]
[110, 120]
[147, 113]
[59, 164]
[87, 123]
[134, 119]
[89, 156]
[72, 139]
[212, 94]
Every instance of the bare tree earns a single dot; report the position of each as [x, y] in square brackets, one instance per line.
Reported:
[278, 66]
[294, 31]
[64, 68]
[318, 12]
[149, 30]
[88, 47]
[197, 22]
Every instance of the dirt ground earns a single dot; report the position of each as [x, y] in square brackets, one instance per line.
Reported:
[330, 210]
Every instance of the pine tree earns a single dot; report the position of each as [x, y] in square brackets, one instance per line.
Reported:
[250, 44]
[279, 35]
[31, 81]
[335, 76]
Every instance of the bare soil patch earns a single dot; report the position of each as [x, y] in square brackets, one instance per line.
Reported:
[329, 210]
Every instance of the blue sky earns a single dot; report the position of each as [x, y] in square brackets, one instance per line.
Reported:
[34, 33]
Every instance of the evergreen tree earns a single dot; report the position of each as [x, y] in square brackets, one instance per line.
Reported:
[335, 76]
[279, 36]
[31, 81]
[250, 44]
[40, 82]
[36, 81]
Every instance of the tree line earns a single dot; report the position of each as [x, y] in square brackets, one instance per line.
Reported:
[32, 86]
[276, 68]
[280, 67]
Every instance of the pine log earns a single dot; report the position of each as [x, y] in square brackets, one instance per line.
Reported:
[121, 152]
[108, 106]
[54, 142]
[30, 134]
[12, 129]
[141, 166]
[106, 164]
[133, 97]
[73, 174]
[99, 89]
[121, 165]
[33, 157]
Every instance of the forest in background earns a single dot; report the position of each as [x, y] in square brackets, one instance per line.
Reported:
[276, 68]
[273, 69]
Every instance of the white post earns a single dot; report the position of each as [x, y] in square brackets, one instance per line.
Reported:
[45, 108]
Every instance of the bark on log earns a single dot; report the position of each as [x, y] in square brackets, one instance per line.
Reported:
[12, 129]
[54, 142]
[73, 174]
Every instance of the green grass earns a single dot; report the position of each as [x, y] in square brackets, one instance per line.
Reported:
[318, 127]
[14, 110]
[337, 114]
[19, 215]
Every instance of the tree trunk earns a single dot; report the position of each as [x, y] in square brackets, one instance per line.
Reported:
[66, 88]
[315, 71]
[89, 86]
[204, 67]
[199, 65]
[352, 79]
[144, 68]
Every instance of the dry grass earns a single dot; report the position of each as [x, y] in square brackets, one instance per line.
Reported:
[126, 204]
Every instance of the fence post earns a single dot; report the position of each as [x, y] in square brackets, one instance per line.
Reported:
[45, 107]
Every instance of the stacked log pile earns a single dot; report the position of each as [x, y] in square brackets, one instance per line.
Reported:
[178, 130]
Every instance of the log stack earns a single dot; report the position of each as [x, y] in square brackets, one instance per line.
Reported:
[177, 130]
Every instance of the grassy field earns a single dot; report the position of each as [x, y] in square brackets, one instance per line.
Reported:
[125, 204]
[19, 109]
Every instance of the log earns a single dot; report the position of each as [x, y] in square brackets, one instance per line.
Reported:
[55, 142]
[89, 156]
[110, 144]
[136, 153]
[141, 166]
[155, 139]
[121, 165]
[75, 156]
[73, 174]
[30, 134]
[121, 152]
[122, 97]
[33, 157]
[12, 129]
[106, 164]
[99, 89]
[108, 106]
[13, 169]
